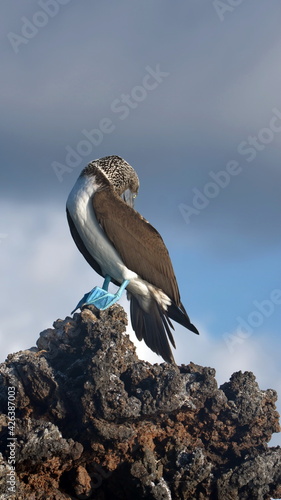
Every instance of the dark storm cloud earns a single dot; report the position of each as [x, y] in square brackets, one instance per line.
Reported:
[84, 71]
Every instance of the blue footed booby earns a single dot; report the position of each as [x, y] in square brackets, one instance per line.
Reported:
[120, 245]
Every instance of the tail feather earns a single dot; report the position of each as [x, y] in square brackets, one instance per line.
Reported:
[155, 327]
[180, 315]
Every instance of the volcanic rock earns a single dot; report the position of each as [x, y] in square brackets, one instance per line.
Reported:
[85, 418]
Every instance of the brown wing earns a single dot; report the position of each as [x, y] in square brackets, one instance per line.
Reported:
[138, 243]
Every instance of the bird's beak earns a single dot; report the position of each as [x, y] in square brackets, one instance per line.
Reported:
[128, 197]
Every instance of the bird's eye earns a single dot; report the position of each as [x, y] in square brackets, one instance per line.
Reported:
[134, 195]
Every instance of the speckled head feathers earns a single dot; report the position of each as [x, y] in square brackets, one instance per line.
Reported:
[117, 171]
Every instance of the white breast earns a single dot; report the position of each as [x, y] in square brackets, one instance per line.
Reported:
[80, 207]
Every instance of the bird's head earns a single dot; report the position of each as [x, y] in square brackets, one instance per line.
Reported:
[119, 174]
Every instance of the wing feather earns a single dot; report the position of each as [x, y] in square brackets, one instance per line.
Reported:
[138, 243]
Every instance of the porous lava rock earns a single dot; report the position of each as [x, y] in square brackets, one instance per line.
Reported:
[93, 421]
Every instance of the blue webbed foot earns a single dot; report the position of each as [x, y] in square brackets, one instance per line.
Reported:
[100, 297]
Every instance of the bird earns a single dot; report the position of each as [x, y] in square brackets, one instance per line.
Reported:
[125, 249]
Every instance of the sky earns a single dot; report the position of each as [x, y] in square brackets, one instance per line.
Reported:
[189, 94]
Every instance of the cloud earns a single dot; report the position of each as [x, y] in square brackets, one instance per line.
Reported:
[45, 276]
[40, 269]
[191, 124]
